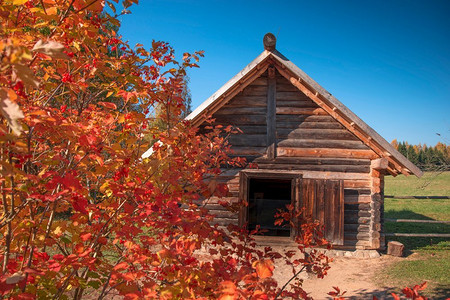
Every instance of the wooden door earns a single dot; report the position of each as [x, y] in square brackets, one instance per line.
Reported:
[323, 200]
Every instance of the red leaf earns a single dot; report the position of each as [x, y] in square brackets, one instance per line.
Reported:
[86, 236]
[109, 105]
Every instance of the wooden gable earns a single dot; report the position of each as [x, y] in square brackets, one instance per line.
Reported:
[298, 101]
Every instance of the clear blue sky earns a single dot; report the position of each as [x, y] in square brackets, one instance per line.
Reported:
[388, 61]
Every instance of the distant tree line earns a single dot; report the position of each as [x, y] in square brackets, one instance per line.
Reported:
[428, 158]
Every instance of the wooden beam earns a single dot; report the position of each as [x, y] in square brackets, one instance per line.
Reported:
[379, 164]
[271, 113]
[315, 174]
[300, 111]
[325, 152]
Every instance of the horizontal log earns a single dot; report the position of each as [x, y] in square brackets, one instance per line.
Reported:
[259, 81]
[356, 213]
[249, 140]
[244, 150]
[359, 192]
[329, 168]
[253, 129]
[317, 175]
[316, 161]
[216, 200]
[356, 228]
[255, 90]
[355, 243]
[240, 120]
[296, 103]
[299, 111]
[356, 236]
[224, 222]
[287, 87]
[248, 158]
[281, 95]
[304, 118]
[357, 207]
[360, 184]
[416, 221]
[224, 214]
[241, 111]
[417, 197]
[314, 143]
[356, 199]
[356, 220]
[325, 152]
[306, 124]
[247, 101]
[316, 134]
[438, 235]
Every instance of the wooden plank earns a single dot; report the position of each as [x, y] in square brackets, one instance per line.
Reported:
[356, 220]
[416, 221]
[240, 111]
[330, 143]
[247, 101]
[438, 235]
[293, 96]
[356, 228]
[271, 116]
[356, 236]
[241, 120]
[317, 134]
[315, 174]
[253, 129]
[325, 168]
[261, 81]
[325, 152]
[236, 150]
[357, 199]
[254, 90]
[300, 111]
[297, 104]
[300, 119]
[417, 197]
[357, 184]
[357, 213]
[294, 124]
[257, 140]
[315, 161]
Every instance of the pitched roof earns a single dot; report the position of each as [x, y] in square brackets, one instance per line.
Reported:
[397, 162]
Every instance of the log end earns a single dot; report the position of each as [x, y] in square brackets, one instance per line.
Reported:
[269, 41]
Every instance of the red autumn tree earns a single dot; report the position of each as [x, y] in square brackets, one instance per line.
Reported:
[82, 210]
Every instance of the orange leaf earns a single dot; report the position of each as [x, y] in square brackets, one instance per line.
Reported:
[264, 268]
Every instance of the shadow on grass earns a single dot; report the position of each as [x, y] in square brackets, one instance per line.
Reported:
[415, 243]
[438, 293]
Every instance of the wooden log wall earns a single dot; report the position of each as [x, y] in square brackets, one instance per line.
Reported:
[308, 142]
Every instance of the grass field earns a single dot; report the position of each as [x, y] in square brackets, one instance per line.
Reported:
[428, 258]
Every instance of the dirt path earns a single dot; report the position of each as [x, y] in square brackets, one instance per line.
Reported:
[354, 275]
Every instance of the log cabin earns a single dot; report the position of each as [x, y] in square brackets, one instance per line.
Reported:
[309, 149]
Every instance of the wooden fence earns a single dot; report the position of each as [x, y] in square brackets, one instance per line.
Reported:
[439, 235]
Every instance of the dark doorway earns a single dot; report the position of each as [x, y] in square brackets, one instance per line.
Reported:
[265, 197]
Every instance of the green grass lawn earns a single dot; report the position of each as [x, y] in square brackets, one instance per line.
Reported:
[428, 258]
